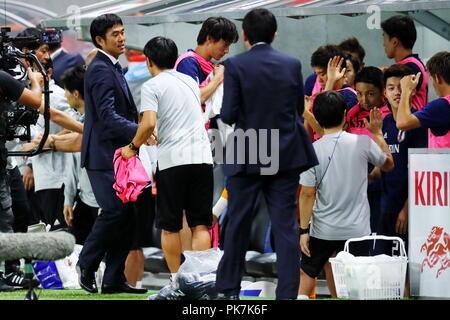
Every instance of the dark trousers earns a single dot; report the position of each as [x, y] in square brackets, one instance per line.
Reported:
[35, 210]
[280, 194]
[111, 234]
[6, 214]
[144, 210]
[20, 209]
[20, 205]
[51, 203]
[84, 217]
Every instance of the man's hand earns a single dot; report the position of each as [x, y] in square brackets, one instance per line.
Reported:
[335, 71]
[68, 215]
[304, 244]
[374, 175]
[307, 104]
[35, 76]
[401, 226]
[219, 73]
[63, 132]
[46, 145]
[409, 83]
[152, 140]
[28, 178]
[376, 122]
[127, 153]
[28, 146]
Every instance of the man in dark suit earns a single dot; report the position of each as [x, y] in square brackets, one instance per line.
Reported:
[63, 61]
[263, 97]
[110, 122]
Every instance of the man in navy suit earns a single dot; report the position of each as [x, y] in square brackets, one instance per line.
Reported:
[62, 61]
[263, 97]
[110, 122]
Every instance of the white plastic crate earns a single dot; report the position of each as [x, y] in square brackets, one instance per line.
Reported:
[367, 278]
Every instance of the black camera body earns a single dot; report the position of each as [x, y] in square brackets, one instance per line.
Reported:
[16, 119]
[14, 115]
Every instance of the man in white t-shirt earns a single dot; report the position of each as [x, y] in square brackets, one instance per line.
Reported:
[334, 193]
[184, 175]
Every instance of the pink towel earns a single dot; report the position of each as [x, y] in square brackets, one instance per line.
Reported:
[130, 177]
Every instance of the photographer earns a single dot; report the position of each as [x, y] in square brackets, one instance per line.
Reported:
[14, 90]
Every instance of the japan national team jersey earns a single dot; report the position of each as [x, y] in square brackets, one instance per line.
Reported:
[356, 116]
[395, 182]
[355, 124]
[350, 97]
[436, 116]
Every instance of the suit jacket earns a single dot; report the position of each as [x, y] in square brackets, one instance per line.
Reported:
[263, 89]
[111, 115]
[64, 61]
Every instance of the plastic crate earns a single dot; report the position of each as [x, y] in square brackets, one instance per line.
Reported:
[369, 278]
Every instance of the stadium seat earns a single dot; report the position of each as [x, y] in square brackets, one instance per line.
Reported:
[261, 265]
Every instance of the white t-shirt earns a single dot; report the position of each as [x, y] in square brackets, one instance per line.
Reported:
[182, 137]
[49, 168]
[341, 210]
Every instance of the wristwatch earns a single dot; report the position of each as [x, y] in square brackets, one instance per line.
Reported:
[303, 231]
[133, 147]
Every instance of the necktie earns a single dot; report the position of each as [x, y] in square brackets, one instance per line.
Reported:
[123, 82]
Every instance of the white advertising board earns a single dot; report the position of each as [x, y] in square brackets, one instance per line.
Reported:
[429, 222]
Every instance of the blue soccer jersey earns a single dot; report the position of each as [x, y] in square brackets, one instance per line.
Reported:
[436, 116]
[191, 67]
[395, 182]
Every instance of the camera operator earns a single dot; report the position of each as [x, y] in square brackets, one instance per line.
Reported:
[21, 209]
[48, 168]
[12, 89]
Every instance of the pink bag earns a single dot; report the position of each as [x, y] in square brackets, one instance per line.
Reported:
[130, 177]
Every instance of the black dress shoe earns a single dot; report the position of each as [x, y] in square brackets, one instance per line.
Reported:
[223, 296]
[121, 288]
[86, 280]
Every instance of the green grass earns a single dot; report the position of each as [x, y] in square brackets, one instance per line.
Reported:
[44, 294]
